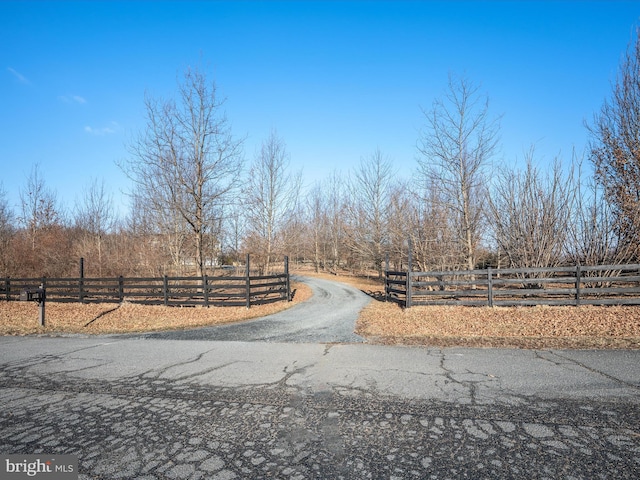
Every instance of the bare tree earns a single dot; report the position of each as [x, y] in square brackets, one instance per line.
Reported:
[456, 147]
[95, 218]
[142, 243]
[6, 215]
[530, 214]
[317, 215]
[368, 209]
[272, 198]
[334, 191]
[325, 205]
[234, 233]
[401, 205]
[186, 164]
[615, 149]
[433, 236]
[7, 228]
[592, 236]
[39, 206]
[44, 245]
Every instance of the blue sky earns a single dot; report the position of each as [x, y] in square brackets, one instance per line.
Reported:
[335, 79]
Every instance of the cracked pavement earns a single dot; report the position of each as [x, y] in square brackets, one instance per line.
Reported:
[165, 409]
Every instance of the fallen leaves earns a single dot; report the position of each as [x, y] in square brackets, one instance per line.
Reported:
[520, 327]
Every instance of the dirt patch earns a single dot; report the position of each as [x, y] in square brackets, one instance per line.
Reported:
[21, 318]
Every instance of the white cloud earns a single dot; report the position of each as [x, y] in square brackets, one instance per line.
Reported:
[72, 99]
[112, 128]
[21, 78]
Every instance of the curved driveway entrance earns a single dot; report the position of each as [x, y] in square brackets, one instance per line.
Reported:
[328, 317]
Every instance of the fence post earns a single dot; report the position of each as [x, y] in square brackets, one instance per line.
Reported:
[248, 280]
[7, 288]
[43, 286]
[287, 278]
[81, 281]
[41, 304]
[409, 287]
[165, 290]
[386, 277]
[205, 289]
[121, 288]
[578, 282]
[489, 287]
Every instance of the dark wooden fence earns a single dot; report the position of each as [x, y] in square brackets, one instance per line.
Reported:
[240, 290]
[576, 285]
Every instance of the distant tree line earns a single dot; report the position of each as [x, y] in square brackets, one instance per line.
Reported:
[196, 203]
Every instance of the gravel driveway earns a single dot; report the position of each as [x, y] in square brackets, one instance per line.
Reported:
[328, 317]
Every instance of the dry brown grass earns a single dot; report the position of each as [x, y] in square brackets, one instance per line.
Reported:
[520, 327]
[21, 318]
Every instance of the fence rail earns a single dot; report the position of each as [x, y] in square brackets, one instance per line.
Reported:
[576, 285]
[244, 290]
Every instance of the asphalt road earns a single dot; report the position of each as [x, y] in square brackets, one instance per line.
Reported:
[328, 317]
[150, 408]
